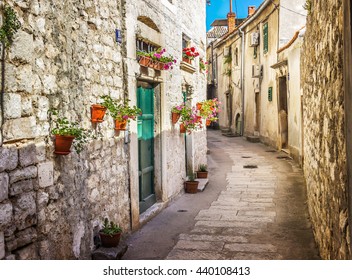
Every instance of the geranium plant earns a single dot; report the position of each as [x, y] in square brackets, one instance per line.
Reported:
[190, 53]
[203, 65]
[210, 109]
[191, 119]
[160, 56]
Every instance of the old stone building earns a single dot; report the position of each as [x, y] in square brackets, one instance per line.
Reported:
[325, 134]
[257, 75]
[66, 56]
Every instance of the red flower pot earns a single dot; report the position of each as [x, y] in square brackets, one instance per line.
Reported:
[208, 122]
[120, 125]
[158, 65]
[97, 113]
[187, 60]
[199, 106]
[63, 144]
[182, 128]
[191, 186]
[175, 117]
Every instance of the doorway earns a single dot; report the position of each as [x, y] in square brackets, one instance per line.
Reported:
[145, 101]
[283, 112]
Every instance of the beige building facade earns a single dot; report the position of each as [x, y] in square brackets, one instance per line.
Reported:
[257, 81]
[65, 57]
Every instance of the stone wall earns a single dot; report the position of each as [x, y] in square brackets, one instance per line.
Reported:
[324, 135]
[65, 57]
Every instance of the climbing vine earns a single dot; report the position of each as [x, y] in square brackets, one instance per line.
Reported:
[308, 6]
[10, 25]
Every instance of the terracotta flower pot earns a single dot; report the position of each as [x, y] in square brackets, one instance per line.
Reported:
[187, 60]
[208, 122]
[145, 61]
[191, 186]
[98, 113]
[63, 144]
[158, 65]
[110, 240]
[120, 125]
[199, 106]
[202, 174]
[175, 117]
[182, 128]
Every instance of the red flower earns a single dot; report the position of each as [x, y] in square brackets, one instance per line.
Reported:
[193, 49]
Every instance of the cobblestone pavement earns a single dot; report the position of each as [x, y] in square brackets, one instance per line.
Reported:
[258, 212]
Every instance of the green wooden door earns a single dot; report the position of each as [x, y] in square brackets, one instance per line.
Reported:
[145, 101]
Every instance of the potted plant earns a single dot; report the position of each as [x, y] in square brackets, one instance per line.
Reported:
[156, 59]
[122, 113]
[210, 110]
[65, 133]
[110, 234]
[190, 119]
[176, 112]
[202, 172]
[202, 65]
[188, 54]
[191, 185]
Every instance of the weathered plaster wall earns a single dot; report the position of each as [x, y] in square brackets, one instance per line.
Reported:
[324, 141]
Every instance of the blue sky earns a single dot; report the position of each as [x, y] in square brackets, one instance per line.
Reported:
[219, 9]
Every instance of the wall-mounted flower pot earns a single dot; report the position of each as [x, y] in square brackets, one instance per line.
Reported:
[182, 128]
[158, 65]
[199, 106]
[120, 125]
[109, 241]
[97, 113]
[202, 174]
[191, 186]
[145, 61]
[63, 144]
[208, 122]
[175, 117]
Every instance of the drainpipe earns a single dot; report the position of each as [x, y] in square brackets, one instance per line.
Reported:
[241, 34]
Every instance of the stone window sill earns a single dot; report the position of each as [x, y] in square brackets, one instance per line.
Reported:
[187, 67]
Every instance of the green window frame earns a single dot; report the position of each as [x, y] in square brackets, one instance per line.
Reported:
[265, 38]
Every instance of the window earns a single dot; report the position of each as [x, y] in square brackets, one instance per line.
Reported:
[265, 38]
[236, 57]
[185, 41]
[255, 52]
[145, 46]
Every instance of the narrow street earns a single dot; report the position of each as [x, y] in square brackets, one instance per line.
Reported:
[254, 207]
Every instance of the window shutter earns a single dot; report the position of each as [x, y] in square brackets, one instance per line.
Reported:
[266, 39]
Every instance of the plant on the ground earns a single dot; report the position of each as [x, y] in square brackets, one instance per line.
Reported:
[203, 168]
[64, 127]
[110, 228]
[190, 53]
[120, 110]
[191, 176]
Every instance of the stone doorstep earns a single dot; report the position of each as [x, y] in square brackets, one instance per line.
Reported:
[202, 184]
[113, 253]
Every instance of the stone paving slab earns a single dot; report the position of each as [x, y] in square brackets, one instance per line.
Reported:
[222, 238]
[251, 248]
[231, 224]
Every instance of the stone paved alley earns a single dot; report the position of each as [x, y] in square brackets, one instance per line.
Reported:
[244, 213]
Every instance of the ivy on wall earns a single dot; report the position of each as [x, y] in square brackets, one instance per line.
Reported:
[10, 25]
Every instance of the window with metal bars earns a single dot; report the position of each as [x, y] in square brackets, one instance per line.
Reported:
[144, 46]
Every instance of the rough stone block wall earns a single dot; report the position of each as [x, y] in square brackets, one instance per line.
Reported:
[324, 136]
[64, 57]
